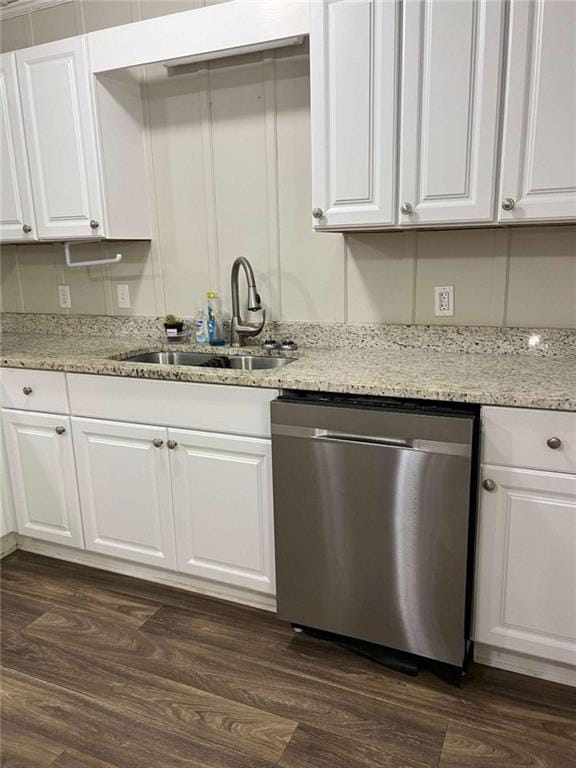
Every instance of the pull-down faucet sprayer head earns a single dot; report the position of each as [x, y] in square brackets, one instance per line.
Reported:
[254, 301]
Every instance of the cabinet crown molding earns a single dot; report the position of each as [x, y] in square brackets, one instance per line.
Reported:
[10, 8]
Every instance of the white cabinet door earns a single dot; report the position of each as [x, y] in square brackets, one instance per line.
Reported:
[526, 568]
[41, 468]
[16, 211]
[7, 521]
[59, 123]
[223, 508]
[539, 162]
[452, 53]
[353, 76]
[124, 480]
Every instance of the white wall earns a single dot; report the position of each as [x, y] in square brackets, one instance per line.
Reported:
[230, 162]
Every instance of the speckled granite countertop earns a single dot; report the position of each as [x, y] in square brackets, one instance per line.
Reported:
[513, 380]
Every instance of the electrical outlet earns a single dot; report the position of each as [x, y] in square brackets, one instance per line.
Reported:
[444, 301]
[64, 296]
[123, 293]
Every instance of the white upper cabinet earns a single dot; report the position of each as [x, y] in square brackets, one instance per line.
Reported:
[353, 71]
[59, 124]
[538, 178]
[72, 148]
[447, 127]
[16, 210]
[451, 74]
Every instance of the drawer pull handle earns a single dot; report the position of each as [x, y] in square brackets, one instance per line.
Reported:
[489, 485]
[157, 443]
[172, 444]
[27, 390]
[60, 430]
[554, 443]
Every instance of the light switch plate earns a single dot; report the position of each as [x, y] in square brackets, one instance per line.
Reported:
[444, 300]
[123, 294]
[64, 296]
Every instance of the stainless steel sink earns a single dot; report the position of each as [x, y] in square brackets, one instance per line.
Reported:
[209, 360]
[169, 358]
[255, 362]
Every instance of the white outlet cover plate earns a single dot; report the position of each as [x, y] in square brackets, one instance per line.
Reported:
[64, 296]
[444, 301]
[123, 294]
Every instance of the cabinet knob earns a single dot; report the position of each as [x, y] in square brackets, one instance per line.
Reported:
[488, 484]
[94, 224]
[60, 430]
[157, 443]
[317, 213]
[508, 203]
[26, 228]
[554, 443]
[407, 208]
[172, 444]
[27, 390]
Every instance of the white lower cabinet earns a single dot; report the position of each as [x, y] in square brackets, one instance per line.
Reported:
[196, 502]
[43, 478]
[7, 521]
[526, 568]
[124, 481]
[223, 507]
[189, 500]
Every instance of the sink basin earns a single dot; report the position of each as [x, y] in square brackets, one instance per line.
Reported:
[210, 360]
[169, 358]
[255, 362]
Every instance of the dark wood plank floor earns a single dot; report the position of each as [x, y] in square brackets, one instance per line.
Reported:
[105, 671]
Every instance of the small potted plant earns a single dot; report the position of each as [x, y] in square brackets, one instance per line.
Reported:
[173, 325]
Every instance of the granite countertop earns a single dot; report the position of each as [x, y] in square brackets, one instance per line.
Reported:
[491, 379]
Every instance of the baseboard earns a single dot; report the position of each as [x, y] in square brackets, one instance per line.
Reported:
[8, 544]
[148, 573]
[525, 665]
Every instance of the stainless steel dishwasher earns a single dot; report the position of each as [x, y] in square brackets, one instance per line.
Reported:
[372, 505]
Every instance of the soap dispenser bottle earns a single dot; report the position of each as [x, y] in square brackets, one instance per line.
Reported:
[201, 326]
[215, 324]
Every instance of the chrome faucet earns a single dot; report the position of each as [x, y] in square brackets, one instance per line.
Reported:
[239, 331]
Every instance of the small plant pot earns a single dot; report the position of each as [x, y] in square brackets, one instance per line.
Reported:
[174, 327]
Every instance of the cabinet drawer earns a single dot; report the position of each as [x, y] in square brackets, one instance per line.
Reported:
[519, 437]
[29, 390]
[209, 407]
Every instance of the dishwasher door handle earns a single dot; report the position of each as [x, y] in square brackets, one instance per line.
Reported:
[288, 430]
[427, 446]
[346, 437]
